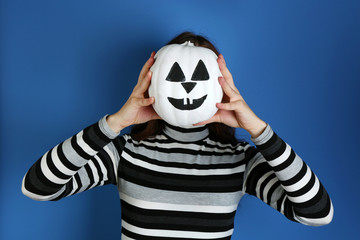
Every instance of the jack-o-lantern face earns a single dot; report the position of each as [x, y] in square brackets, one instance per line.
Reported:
[185, 84]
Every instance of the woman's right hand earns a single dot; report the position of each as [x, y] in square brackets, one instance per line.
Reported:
[137, 108]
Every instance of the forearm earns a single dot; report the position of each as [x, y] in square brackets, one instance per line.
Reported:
[114, 122]
[299, 194]
[258, 129]
[48, 176]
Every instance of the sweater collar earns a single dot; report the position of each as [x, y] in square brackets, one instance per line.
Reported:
[186, 134]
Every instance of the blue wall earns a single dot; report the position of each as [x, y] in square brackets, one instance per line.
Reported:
[65, 64]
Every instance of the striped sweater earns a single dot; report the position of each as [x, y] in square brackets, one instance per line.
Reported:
[181, 184]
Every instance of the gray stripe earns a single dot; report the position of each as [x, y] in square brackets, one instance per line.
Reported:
[174, 197]
[114, 151]
[264, 136]
[57, 194]
[291, 170]
[276, 196]
[84, 178]
[186, 136]
[105, 129]
[191, 183]
[71, 155]
[185, 158]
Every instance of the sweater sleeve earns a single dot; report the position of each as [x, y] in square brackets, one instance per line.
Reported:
[279, 177]
[84, 161]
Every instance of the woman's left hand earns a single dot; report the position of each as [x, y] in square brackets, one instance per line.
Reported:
[234, 111]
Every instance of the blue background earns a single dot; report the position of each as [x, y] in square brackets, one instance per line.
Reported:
[65, 64]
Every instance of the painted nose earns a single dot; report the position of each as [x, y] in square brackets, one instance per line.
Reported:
[188, 86]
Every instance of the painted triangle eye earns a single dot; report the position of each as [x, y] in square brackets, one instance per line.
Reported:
[176, 74]
[200, 73]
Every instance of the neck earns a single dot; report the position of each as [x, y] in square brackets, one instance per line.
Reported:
[186, 134]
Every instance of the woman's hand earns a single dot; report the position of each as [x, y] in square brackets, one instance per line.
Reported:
[233, 111]
[137, 108]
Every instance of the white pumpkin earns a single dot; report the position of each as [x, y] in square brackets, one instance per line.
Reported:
[185, 84]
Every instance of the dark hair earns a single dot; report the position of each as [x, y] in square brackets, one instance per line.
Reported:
[218, 131]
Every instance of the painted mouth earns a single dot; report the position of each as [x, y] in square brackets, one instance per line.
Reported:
[186, 103]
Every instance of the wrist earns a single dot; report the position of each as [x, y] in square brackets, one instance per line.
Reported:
[114, 123]
[258, 129]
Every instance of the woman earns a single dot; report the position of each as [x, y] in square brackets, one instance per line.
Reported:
[177, 183]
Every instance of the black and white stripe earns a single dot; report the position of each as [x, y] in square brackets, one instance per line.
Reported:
[284, 181]
[181, 184]
[86, 160]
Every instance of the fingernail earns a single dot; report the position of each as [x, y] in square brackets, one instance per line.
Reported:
[222, 58]
[151, 59]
